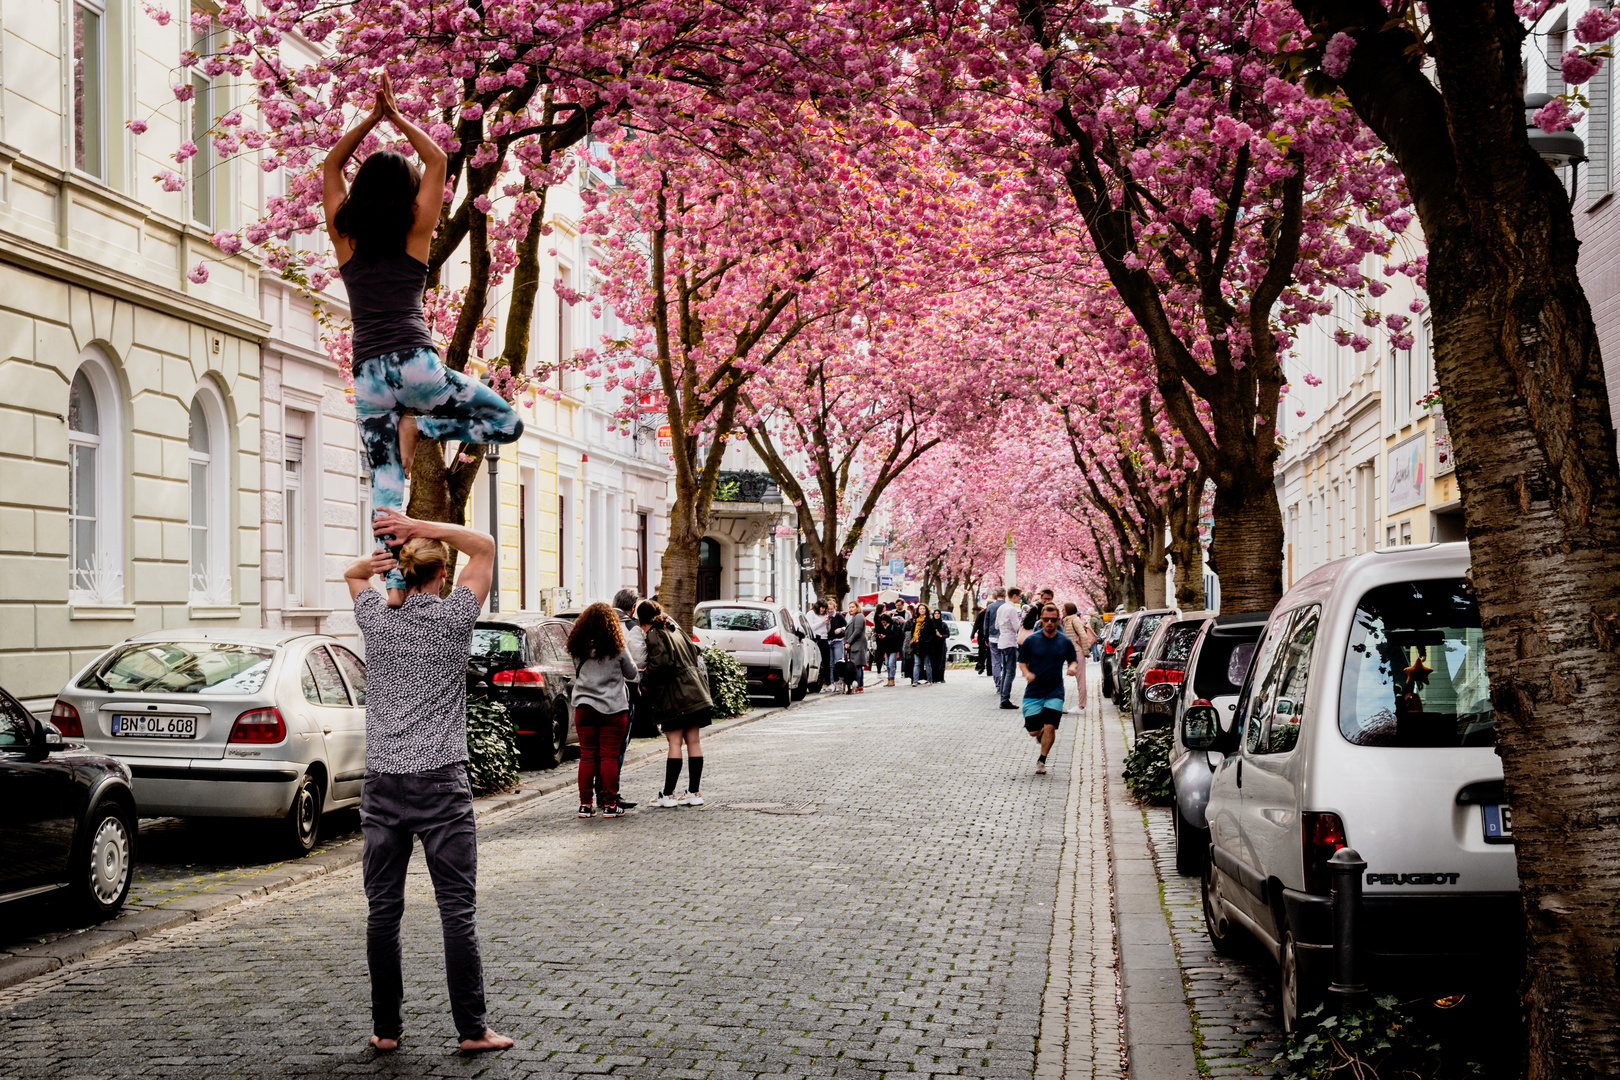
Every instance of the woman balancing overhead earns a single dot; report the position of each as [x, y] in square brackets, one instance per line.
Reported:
[382, 229]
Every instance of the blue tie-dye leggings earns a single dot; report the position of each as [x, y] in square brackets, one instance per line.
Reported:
[447, 404]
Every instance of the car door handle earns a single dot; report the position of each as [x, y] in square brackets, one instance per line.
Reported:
[326, 730]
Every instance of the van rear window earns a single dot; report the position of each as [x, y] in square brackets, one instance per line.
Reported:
[732, 618]
[1414, 674]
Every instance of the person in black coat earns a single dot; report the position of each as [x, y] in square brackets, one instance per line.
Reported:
[983, 659]
[942, 641]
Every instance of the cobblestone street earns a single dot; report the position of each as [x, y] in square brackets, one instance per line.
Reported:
[903, 926]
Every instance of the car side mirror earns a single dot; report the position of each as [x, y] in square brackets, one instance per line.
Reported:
[44, 739]
[1200, 727]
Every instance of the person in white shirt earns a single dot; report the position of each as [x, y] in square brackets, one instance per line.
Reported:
[1009, 620]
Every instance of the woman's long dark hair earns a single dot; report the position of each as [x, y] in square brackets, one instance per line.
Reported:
[596, 633]
[380, 208]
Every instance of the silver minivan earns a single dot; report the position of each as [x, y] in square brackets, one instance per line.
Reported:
[228, 723]
[1366, 721]
[764, 640]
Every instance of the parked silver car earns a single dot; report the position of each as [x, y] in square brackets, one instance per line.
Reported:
[763, 638]
[1366, 722]
[1215, 671]
[228, 723]
[813, 674]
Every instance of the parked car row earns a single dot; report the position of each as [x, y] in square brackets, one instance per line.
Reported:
[1356, 713]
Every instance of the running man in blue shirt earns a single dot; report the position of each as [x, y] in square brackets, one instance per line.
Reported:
[1043, 658]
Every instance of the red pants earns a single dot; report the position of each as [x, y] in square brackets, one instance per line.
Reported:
[601, 737]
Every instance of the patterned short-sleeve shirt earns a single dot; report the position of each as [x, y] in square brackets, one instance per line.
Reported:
[416, 678]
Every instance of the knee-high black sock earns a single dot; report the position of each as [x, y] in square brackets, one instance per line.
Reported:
[696, 770]
[672, 773]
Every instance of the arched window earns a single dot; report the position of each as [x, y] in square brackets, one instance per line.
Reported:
[208, 445]
[95, 486]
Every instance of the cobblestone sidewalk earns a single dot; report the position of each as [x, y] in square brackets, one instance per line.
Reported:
[1236, 1027]
[903, 926]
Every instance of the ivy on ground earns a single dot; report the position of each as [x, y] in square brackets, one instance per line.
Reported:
[492, 756]
[728, 683]
[1147, 767]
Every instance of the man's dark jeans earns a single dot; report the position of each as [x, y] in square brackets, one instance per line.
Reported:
[437, 806]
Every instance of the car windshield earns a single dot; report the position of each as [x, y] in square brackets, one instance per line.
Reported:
[1414, 674]
[497, 643]
[732, 618]
[211, 668]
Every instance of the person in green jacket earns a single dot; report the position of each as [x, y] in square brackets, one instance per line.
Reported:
[675, 692]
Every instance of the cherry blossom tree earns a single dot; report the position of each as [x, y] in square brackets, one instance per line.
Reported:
[1516, 355]
[1220, 199]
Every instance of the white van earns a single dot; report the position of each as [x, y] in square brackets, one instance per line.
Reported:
[1366, 721]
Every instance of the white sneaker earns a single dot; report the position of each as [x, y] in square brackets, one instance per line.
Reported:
[665, 801]
[691, 798]
[1040, 767]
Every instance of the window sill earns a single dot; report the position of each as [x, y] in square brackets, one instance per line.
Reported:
[102, 612]
[306, 612]
[216, 611]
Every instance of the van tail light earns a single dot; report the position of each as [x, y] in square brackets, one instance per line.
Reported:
[66, 719]
[1162, 675]
[259, 726]
[522, 676]
[774, 638]
[695, 640]
[1321, 835]
[1108, 646]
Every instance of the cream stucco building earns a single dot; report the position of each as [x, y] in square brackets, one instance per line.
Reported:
[129, 392]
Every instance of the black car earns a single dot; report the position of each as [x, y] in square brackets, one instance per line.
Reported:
[1160, 671]
[1110, 640]
[1128, 649]
[67, 817]
[522, 662]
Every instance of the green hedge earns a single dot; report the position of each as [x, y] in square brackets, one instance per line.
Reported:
[492, 757]
[728, 683]
[1147, 766]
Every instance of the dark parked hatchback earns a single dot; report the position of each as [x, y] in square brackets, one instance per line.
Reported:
[1132, 640]
[522, 662]
[67, 817]
[1161, 669]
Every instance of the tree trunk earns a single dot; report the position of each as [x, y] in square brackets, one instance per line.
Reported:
[1155, 563]
[677, 589]
[1246, 547]
[832, 574]
[1525, 397]
[1186, 548]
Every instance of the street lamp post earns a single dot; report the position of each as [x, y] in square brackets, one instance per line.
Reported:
[492, 461]
[1556, 148]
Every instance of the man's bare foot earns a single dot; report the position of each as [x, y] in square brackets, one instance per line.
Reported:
[407, 442]
[489, 1040]
[384, 1044]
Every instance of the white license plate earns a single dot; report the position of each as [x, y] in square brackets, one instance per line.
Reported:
[155, 727]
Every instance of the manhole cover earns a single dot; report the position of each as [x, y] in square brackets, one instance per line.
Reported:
[771, 807]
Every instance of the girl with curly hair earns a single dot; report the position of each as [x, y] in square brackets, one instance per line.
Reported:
[602, 667]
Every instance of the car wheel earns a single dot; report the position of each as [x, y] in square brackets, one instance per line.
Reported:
[1192, 847]
[104, 861]
[1299, 994]
[302, 824]
[1222, 934]
[553, 739]
[783, 696]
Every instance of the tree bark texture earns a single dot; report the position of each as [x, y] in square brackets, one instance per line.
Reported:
[1523, 385]
[1186, 546]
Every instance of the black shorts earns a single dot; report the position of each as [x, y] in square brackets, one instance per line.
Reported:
[1044, 718]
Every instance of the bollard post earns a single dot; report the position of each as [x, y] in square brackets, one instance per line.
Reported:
[1347, 990]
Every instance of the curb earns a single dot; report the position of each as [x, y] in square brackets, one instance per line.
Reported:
[29, 963]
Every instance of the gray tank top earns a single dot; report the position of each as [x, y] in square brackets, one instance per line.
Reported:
[385, 303]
